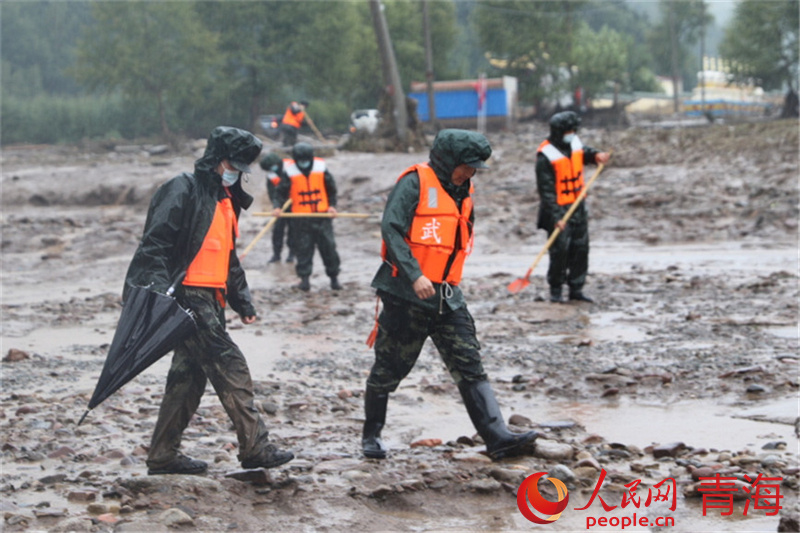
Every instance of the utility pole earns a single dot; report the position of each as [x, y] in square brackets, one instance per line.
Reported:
[426, 28]
[703, 69]
[391, 76]
[673, 40]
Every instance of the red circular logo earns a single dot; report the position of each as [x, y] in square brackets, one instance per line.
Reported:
[529, 492]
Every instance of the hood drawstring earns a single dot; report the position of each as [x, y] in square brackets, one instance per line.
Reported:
[445, 292]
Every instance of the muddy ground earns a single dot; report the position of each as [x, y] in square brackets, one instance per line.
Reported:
[686, 365]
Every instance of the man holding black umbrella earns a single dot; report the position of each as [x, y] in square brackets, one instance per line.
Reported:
[191, 227]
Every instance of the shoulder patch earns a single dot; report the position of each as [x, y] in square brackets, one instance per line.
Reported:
[433, 197]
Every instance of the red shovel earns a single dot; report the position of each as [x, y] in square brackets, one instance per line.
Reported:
[520, 283]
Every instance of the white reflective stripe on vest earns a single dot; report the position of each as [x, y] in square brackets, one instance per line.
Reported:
[554, 154]
[291, 168]
[319, 165]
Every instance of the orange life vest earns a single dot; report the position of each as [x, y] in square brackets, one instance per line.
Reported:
[274, 177]
[293, 119]
[308, 193]
[209, 268]
[568, 170]
[436, 227]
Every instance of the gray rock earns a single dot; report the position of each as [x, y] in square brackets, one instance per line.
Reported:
[507, 475]
[519, 420]
[381, 491]
[563, 473]
[772, 460]
[187, 484]
[175, 517]
[553, 450]
[484, 486]
[668, 450]
[558, 424]
[256, 476]
[73, 524]
[139, 527]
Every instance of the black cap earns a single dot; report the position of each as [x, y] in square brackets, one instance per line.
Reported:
[478, 163]
[238, 165]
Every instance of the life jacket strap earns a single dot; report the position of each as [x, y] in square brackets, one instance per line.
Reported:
[374, 333]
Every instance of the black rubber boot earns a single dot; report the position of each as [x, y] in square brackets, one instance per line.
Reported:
[375, 416]
[486, 417]
[555, 294]
[578, 296]
[276, 258]
[268, 457]
[290, 258]
[335, 285]
[304, 284]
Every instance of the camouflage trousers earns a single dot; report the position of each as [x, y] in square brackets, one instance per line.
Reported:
[569, 256]
[308, 234]
[208, 355]
[402, 331]
[282, 227]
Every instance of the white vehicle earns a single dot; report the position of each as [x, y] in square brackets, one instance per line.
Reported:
[365, 120]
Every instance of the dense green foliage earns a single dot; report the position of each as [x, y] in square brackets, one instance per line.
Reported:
[762, 42]
[95, 69]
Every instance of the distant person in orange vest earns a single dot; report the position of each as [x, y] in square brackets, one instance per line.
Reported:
[272, 164]
[293, 119]
[427, 235]
[191, 228]
[559, 180]
[312, 190]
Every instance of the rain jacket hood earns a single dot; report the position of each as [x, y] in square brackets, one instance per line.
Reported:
[452, 148]
[239, 147]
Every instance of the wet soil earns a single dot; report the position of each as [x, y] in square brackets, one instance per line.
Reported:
[692, 340]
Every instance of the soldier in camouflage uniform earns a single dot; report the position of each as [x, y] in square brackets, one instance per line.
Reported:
[418, 286]
[272, 164]
[183, 217]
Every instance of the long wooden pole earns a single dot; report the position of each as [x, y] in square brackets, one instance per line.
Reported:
[315, 215]
[314, 127]
[264, 230]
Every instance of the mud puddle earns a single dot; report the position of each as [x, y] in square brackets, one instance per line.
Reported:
[697, 423]
[618, 258]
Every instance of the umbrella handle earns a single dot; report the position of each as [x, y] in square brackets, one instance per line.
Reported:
[175, 283]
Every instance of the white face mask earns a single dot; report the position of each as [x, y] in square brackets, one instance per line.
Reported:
[229, 177]
[568, 137]
[304, 164]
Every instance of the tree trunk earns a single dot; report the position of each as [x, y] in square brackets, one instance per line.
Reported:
[673, 39]
[391, 76]
[426, 29]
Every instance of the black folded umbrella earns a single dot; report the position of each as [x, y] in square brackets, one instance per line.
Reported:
[151, 325]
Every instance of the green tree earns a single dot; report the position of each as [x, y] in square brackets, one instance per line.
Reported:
[33, 60]
[617, 15]
[762, 42]
[681, 26]
[154, 51]
[532, 41]
[276, 51]
[601, 58]
[405, 26]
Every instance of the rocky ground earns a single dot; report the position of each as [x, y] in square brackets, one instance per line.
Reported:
[686, 365]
